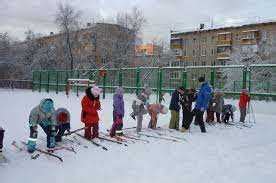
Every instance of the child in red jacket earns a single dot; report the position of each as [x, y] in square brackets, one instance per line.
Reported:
[89, 114]
[243, 103]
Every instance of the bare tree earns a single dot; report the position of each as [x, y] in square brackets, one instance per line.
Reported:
[68, 20]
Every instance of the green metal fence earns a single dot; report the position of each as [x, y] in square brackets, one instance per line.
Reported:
[260, 80]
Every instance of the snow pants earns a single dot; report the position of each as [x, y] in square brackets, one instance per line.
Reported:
[242, 114]
[187, 118]
[218, 117]
[1, 138]
[49, 130]
[174, 122]
[139, 111]
[210, 116]
[60, 131]
[153, 120]
[117, 125]
[199, 119]
[91, 131]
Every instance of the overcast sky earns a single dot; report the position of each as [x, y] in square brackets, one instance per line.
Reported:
[16, 16]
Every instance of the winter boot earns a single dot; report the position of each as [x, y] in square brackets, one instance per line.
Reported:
[183, 130]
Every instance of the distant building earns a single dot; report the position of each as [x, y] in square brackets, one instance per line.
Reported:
[216, 46]
[147, 54]
[97, 45]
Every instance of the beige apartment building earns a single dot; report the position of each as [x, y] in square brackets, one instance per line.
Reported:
[217, 46]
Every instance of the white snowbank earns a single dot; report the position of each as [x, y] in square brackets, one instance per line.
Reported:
[224, 154]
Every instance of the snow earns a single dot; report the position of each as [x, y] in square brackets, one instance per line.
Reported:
[224, 154]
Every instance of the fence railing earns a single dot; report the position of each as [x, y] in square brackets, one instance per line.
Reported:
[19, 84]
[260, 80]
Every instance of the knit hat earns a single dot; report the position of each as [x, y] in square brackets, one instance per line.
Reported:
[96, 91]
[201, 79]
[119, 91]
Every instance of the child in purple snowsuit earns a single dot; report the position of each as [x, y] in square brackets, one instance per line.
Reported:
[118, 112]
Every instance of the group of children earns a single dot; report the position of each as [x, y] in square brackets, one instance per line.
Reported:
[56, 122]
[205, 100]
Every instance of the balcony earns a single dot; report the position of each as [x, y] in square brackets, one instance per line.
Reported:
[176, 43]
[223, 56]
[250, 37]
[176, 46]
[224, 39]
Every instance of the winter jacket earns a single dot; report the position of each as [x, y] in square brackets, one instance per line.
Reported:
[218, 103]
[39, 117]
[118, 104]
[175, 102]
[90, 107]
[186, 101]
[203, 96]
[244, 100]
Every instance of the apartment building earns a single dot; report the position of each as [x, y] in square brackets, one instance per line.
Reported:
[217, 46]
[99, 44]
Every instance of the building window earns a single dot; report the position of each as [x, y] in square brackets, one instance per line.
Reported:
[194, 40]
[203, 52]
[204, 40]
[203, 63]
[193, 52]
[184, 53]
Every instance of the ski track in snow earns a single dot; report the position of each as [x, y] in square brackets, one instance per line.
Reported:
[224, 154]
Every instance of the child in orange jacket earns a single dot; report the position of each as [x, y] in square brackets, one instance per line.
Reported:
[154, 110]
[243, 103]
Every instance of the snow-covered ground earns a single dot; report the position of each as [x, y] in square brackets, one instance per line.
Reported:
[224, 154]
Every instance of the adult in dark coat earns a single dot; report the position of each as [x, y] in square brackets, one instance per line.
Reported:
[186, 101]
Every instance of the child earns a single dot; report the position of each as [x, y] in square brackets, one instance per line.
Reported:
[154, 110]
[243, 102]
[210, 110]
[118, 112]
[89, 115]
[1, 142]
[139, 107]
[218, 103]
[227, 112]
[186, 101]
[62, 117]
[175, 107]
[42, 115]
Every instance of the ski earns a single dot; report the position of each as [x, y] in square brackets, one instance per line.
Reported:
[14, 144]
[74, 131]
[45, 152]
[70, 149]
[158, 137]
[170, 136]
[113, 141]
[93, 142]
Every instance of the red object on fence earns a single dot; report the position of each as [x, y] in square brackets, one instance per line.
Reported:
[102, 73]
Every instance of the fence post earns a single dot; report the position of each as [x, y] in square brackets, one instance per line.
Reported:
[249, 78]
[120, 78]
[57, 82]
[212, 82]
[78, 75]
[39, 89]
[244, 76]
[137, 80]
[48, 81]
[104, 83]
[184, 79]
[159, 84]
[33, 81]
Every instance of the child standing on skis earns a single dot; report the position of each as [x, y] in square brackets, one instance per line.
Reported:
[218, 103]
[1, 140]
[62, 117]
[154, 110]
[118, 112]
[243, 103]
[227, 112]
[42, 115]
[139, 106]
[89, 115]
